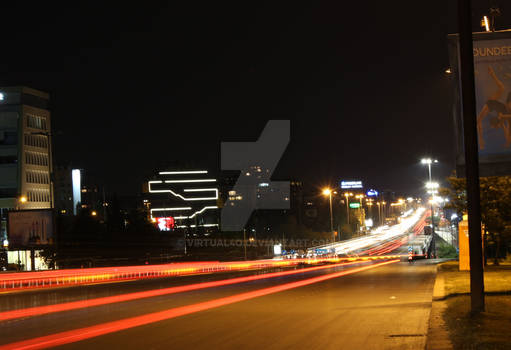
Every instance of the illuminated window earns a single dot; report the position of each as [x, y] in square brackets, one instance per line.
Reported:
[36, 122]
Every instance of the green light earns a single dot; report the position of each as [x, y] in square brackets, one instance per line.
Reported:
[354, 205]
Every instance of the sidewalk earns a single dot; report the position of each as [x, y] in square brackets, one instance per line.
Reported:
[452, 327]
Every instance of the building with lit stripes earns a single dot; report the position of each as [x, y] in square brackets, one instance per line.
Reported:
[183, 199]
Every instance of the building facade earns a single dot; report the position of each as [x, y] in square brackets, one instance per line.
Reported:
[25, 149]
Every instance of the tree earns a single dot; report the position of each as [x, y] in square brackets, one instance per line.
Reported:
[495, 207]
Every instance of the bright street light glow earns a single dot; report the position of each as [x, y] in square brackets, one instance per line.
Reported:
[432, 185]
[2, 96]
[428, 161]
[327, 191]
[23, 199]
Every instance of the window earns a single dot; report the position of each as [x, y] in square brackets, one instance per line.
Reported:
[8, 159]
[36, 158]
[36, 122]
[8, 138]
[39, 141]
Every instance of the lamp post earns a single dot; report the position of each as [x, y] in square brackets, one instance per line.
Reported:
[428, 162]
[362, 224]
[328, 192]
[347, 195]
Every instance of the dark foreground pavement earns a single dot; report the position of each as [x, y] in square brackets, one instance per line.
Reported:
[384, 308]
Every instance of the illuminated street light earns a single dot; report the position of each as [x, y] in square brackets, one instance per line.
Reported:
[485, 23]
[347, 195]
[328, 192]
[432, 190]
[23, 199]
[94, 213]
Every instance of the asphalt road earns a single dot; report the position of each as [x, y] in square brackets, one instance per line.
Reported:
[383, 308]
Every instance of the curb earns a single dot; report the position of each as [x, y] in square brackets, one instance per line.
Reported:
[439, 287]
[438, 335]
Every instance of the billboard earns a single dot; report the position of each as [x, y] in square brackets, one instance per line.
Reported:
[165, 223]
[30, 227]
[492, 72]
[351, 184]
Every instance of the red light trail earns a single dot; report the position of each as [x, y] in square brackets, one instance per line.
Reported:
[76, 335]
[41, 310]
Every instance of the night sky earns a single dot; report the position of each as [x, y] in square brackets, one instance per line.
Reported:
[136, 85]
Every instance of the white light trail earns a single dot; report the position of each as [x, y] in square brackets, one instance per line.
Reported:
[183, 172]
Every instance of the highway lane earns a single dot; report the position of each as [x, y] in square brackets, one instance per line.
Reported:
[385, 307]
[14, 330]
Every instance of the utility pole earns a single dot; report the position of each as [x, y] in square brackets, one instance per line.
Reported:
[331, 218]
[471, 155]
[245, 242]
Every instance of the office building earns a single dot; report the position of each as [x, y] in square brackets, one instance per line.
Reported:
[25, 149]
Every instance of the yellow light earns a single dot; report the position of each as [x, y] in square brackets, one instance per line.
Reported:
[93, 213]
[485, 23]
[23, 199]
[153, 219]
[327, 191]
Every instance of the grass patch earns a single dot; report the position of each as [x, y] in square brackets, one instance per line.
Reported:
[488, 330]
[497, 279]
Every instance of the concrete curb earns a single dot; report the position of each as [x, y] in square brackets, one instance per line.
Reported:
[439, 287]
[438, 336]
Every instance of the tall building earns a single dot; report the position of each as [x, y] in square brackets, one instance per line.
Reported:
[25, 149]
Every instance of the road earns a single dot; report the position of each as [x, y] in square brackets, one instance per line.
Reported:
[386, 307]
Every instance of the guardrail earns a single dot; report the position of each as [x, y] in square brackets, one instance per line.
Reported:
[70, 277]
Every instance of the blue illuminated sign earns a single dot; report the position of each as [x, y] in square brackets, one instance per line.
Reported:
[372, 193]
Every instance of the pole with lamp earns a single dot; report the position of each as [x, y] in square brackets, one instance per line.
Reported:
[328, 192]
[428, 162]
[347, 195]
[360, 208]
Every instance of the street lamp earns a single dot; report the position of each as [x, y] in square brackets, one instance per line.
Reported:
[347, 195]
[328, 192]
[359, 197]
[431, 189]
[21, 200]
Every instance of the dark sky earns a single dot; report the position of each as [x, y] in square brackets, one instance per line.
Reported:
[137, 85]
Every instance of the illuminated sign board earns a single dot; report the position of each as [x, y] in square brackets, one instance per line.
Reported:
[351, 184]
[28, 228]
[372, 193]
[165, 223]
[354, 205]
[76, 177]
